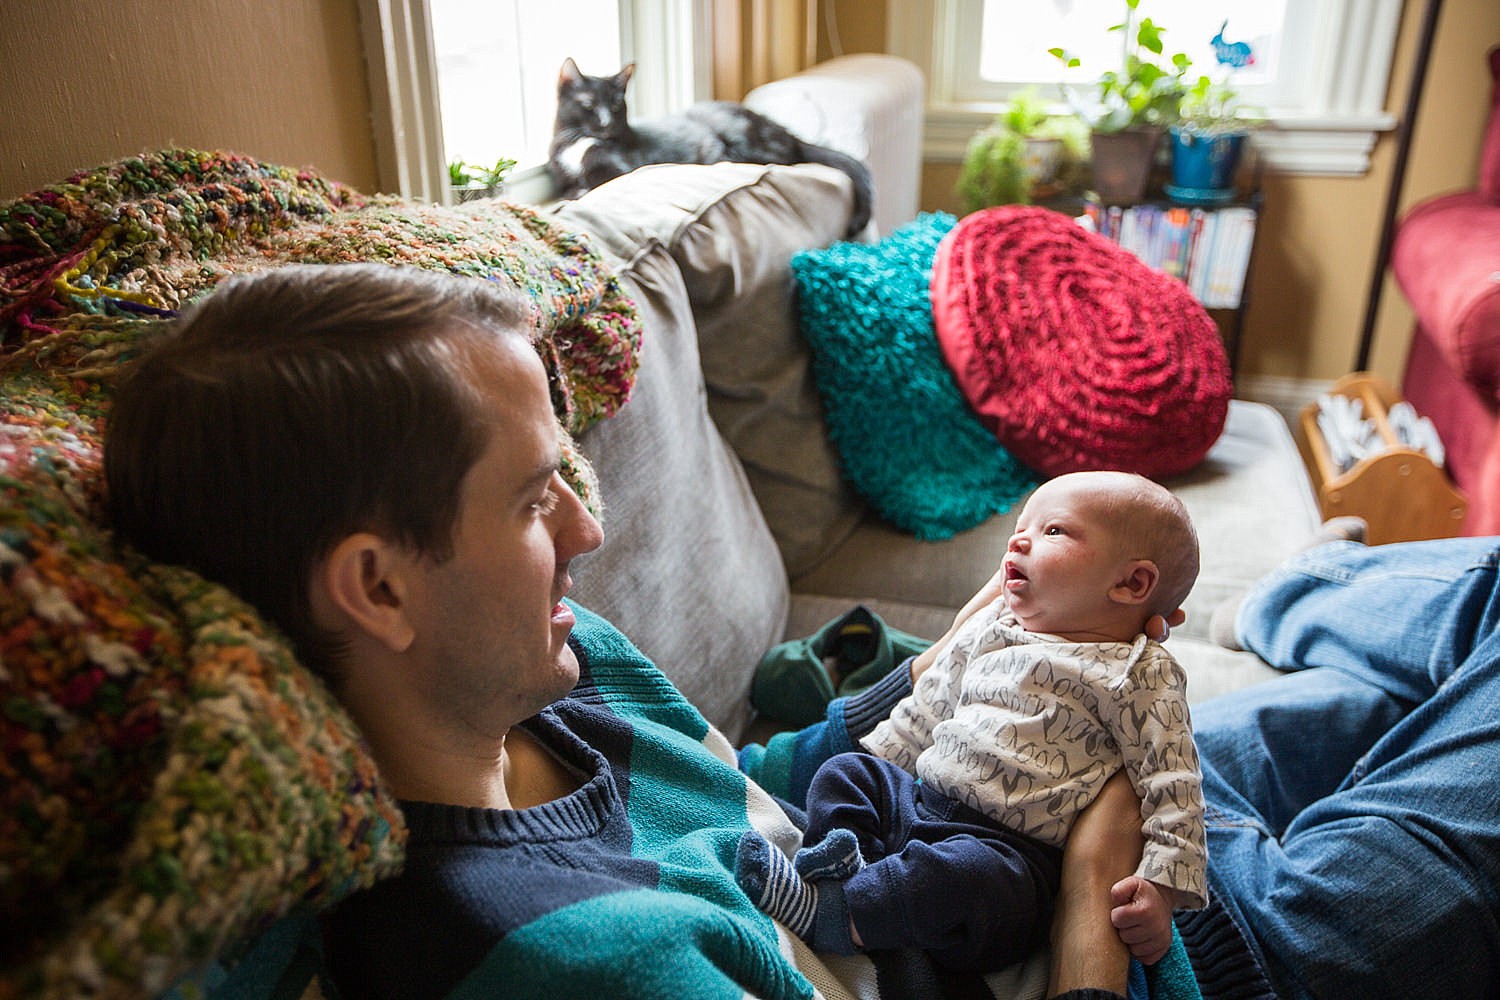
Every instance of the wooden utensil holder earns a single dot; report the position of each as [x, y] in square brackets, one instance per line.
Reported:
[1399, 492]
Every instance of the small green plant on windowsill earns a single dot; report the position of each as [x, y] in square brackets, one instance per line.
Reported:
[469, 182]
[1026, 149]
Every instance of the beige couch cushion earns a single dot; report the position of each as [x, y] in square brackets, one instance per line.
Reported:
[688, 567]
[1250, 501]
[732, 229]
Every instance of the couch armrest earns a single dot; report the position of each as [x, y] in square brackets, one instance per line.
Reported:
[868, 105]
[1446, 259]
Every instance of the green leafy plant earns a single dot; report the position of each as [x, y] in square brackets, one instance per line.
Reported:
[493, 176]
[462, 174]
[1000, 161]
[1212, 107]
[1026, 114]
[994, 170]
[1148, 86]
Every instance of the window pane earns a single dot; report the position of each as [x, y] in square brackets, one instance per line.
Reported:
[1016, 35]
[497, 63]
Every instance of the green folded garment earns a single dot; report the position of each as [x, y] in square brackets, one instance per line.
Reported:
[796, 680]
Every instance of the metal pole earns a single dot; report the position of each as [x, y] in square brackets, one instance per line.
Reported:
[1393, 196]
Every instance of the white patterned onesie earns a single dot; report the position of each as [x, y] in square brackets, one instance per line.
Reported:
[1026, 728]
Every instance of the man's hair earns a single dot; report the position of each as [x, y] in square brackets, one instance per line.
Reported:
[294, 407]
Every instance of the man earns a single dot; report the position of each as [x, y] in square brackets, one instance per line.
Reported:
[369, 456]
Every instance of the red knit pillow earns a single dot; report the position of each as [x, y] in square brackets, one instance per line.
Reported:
[1075, 353]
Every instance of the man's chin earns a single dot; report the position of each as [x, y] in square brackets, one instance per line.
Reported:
[567, 668]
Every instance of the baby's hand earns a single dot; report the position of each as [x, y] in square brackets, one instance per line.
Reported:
[1142, 916]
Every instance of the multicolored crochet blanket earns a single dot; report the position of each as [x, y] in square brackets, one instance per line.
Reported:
[172, 781]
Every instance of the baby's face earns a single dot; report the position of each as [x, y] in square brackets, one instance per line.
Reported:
[1063, 560]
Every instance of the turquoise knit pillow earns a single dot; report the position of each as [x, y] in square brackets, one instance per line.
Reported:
[906, 438]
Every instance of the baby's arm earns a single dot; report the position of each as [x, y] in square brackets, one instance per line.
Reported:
[1151, 724]
[1141, 913]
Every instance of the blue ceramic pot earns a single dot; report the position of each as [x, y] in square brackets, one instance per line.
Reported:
[1203, 161]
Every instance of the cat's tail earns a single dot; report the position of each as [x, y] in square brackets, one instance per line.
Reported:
[859, 173]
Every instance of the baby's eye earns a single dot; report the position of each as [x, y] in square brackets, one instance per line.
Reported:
[1054, 529]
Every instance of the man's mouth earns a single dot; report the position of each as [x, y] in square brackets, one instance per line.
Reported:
[562, 615]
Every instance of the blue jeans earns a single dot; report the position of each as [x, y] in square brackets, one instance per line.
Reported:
[1354, 804]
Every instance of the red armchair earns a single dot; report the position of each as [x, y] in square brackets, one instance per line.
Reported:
[1446, 260]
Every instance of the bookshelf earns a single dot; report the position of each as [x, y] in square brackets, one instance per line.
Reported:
[1208, 247]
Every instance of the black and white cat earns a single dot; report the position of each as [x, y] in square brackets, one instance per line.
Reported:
[593, 140]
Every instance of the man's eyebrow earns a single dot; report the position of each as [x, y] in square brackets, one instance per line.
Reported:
[543, 471]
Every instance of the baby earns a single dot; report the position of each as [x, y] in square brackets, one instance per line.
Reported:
[947, 835]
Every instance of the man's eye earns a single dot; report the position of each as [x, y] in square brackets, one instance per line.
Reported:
[547, 504]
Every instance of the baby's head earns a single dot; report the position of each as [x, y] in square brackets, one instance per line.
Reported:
[1096, 554]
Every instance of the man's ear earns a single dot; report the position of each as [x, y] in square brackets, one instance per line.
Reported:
[1138, 583]
[363, 580]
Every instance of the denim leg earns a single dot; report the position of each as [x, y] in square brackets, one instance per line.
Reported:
[1401, 617]
[1354, 808]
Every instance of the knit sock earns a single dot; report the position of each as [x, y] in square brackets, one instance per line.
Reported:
[773, 885]
[814, 911]
[1221, 624]
[1339, 529]
[837, 856]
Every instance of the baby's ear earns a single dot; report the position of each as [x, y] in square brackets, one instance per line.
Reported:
[1138, 584]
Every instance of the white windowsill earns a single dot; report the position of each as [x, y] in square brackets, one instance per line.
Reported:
[1343, 95]
[1313, 144]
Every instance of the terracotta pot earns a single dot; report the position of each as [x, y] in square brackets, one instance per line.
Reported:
[1122, 162]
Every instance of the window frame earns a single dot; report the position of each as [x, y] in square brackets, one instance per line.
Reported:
[406, 116]
[1331, 131]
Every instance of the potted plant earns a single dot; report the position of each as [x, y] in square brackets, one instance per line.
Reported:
[467, 182]
[1134, 104]
[1021, 152]
[1207, 143]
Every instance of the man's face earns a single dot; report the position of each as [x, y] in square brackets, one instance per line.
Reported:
[491, 626]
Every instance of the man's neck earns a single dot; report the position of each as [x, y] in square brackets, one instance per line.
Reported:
[431, 774]
[533, 774]
[520, 774]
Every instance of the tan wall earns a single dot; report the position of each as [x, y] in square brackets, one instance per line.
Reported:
[1321, 235]
[280, 80]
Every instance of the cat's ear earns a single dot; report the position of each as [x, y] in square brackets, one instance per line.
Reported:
[569, 72]
[623, 77]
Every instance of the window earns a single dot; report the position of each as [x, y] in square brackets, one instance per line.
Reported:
[477, 79]
[497, 96]
[1319, 73]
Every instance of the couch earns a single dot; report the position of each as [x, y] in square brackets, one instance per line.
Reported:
[728, 527]
[745, 533]
[1446, 259]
